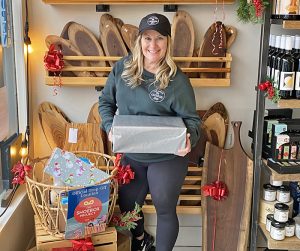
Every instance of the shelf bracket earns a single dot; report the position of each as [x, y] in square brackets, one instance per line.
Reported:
[102, 8]
[170, 8]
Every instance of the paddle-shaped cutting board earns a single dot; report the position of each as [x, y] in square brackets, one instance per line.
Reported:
[111, 39]
[232, 214]
[129, 34]
[213, 45]
[87, 44]
[183, 36]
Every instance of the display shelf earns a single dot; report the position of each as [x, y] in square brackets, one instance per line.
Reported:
[279, 176]
[287, 24]
[290, 243]
[134, 2]
[288, 103]
[223, 81]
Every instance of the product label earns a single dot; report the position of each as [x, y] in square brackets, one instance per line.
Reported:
[276, 78]
[297, 81]
[268, 71]
[286, 81]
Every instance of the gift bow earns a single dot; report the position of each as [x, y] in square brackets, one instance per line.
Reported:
[20, 171]
[53, 59]
[125, 174]
[83, 244]
[217, 190]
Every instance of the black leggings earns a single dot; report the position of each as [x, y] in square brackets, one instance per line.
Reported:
[163, 180]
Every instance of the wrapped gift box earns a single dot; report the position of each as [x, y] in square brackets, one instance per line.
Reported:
[148, 134]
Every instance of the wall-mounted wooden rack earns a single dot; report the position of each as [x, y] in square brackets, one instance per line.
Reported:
[134, 2]
[100, 81]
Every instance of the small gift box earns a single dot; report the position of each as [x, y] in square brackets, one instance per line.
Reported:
[83, 245]
[148, 134]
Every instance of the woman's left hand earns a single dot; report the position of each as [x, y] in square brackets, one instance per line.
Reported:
[188, 147]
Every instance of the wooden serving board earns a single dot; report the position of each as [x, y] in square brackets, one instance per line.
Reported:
[232, 214]
[64, 33]
[213, 45]
[87, 44]
[111, 40]
[231, 33]
[68, 49]
[53, 122]
[129, 34]
[183, 36]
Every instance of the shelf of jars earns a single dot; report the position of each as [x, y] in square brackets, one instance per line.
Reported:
[134, 2]
[81, 77]
[289, 243]
[287, 24]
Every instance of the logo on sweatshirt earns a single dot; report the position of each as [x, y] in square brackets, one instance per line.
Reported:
[157, 95]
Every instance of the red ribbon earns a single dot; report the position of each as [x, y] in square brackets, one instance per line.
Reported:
[20, 171]
[54, 59]
[125, 173]
[264, 86]
[83, 245]
[217, 190]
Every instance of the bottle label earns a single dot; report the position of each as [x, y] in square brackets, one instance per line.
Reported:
[287, 80]
[268, 71]
[297, 81]
[276, 78]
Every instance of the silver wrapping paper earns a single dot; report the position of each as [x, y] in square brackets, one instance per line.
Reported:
[148, 134]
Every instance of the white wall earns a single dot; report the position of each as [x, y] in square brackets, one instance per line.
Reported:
[239, 98]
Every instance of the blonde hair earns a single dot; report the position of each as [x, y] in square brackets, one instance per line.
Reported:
[134, 66]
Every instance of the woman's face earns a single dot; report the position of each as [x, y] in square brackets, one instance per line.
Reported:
[154, 46]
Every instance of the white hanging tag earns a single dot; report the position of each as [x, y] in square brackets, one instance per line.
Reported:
[73, 135]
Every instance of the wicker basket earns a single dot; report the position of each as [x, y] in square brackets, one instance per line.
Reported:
[53, 217]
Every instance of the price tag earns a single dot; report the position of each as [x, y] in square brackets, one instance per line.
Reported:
[73, 135]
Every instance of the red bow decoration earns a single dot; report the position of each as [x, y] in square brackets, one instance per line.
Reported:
[20, 171]
[83, 245]
[125, 173]
[53, 59]
[264, 86]
[217, 190]
[271, 91]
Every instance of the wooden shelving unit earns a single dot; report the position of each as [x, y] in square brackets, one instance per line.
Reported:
[290, 243]
[287, 24]
[100, 81]
[288, 103]
[134, 2]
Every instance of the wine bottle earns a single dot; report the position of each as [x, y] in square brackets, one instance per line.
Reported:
[296, 56]
[277, 61]
[270, 58]
[287, 72]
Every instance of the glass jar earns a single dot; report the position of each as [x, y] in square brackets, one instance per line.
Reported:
[283, 194]
[277, 231]
[269, 219]
[269, 192]
[275, 183]
[290, 228]
[281, 212]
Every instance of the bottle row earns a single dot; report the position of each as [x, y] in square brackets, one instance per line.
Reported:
[283, 66]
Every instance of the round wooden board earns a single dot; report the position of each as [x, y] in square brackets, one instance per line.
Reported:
[64, 32]
[87, 44]
[111, 40]
[183, 36]
[129, 34]
[68, 49]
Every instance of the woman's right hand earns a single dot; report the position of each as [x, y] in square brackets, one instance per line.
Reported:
[110, 136]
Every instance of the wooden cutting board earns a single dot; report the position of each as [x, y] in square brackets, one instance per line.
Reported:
[68, 49]
[213, 45]
[53, 122]
[129, 34]
[87, 44]
[111, 40]
[64, 33]
[94, 117]
[232, 214]
[183, 36]
[231, 33]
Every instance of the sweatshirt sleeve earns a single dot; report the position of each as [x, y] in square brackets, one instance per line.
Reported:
[185, 107]
[107, 101]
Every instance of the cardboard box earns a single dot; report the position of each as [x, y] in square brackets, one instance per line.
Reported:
[148, 134]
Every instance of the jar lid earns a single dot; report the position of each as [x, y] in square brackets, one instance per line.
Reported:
[281, 206]
[283, 188]
[269, 187]
[277, 224]
[290, 222]
[270, 217]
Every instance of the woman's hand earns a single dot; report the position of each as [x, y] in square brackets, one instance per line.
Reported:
[188, 147]
[110, 136]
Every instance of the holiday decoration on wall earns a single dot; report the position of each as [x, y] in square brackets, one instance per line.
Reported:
[251, 11]
[271, 92]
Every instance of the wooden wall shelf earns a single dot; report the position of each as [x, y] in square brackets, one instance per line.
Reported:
[100, 81]
[134, 2]
[281, 176]
[288, 103]
[289, 243]
[287, 24]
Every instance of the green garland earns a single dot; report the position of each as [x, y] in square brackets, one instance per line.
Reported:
[247, 11]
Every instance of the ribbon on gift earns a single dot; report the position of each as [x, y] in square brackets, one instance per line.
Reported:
[125, 173]
[20, 171]
[217, 190]
[53, 59]
[83, 245]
